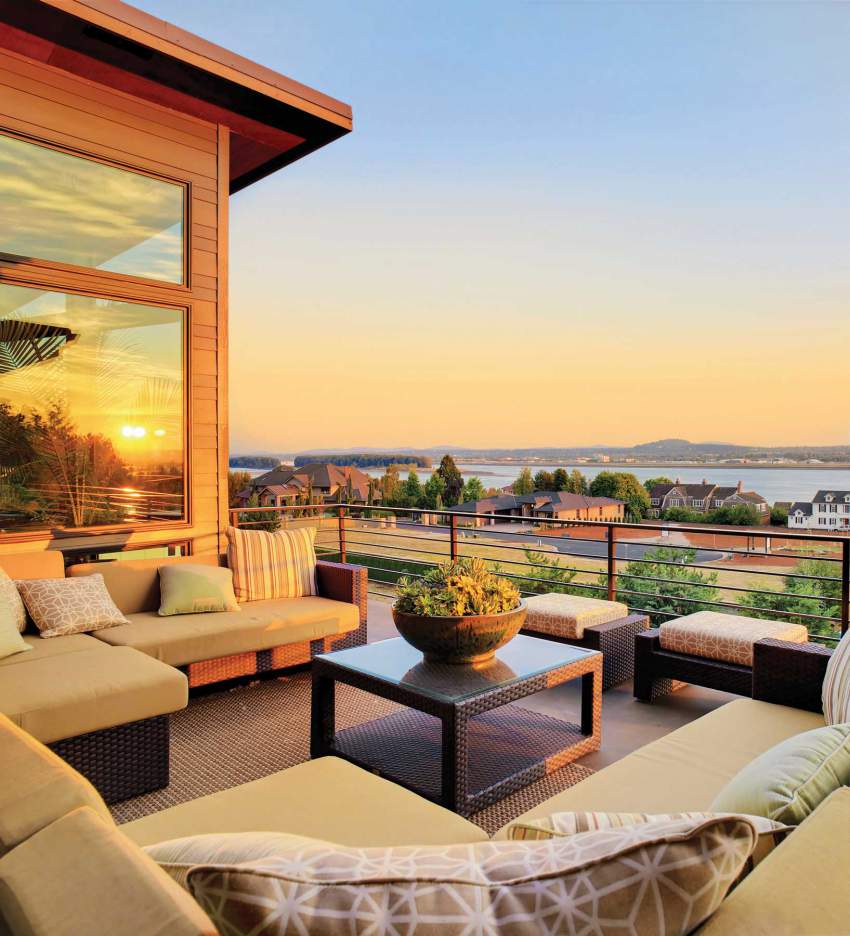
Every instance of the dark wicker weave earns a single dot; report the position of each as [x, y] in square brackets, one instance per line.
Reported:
[789, 673]
[614, 640]
[659, 671]
[483, 755]
[123, 761]
[337, 580]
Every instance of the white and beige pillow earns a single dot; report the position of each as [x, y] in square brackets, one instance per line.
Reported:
[70, 605]
[770, 833]
[272, 565]
[10, 596]
[651, 878]
[836, 684]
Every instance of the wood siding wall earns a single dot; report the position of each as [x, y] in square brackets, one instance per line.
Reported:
[48, 104]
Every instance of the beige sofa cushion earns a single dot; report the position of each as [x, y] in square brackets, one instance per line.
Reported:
[258, 625]
[569, 615]
[72, 694]
[652, 878]
[327, 798]
[686, 769]
[42, 647]
[38, 787]
[80, 875]
[797, 889]
[134, 583]
[728, 637]
[34, 565]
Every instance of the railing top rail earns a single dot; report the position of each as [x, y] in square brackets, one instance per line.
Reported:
[770, 533]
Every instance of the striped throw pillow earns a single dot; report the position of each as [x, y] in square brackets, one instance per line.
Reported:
[272, 565]
[836, 684]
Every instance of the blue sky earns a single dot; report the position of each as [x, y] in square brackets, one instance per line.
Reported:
[656, 190]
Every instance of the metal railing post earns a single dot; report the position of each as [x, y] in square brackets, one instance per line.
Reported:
[342, 534]
[612, 565]
[453, 537]
[845, 585]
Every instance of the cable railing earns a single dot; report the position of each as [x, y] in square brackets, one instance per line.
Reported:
[655, 568]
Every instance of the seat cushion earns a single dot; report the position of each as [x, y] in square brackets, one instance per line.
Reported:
[80, 875]
[38, 787]
[686, 769]
[34, 565]
[43, 647]
[728, 637]
[327, 798]
[259, 625]
[569, 615]
[797, 888]
[71, 694]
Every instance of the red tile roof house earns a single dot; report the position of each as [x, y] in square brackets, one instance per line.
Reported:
[316, 481]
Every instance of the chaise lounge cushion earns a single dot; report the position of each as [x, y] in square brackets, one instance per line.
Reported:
[327, 798]
[71, 694]
[41, 647]
[259, 625]
[80, 875]
[686, 769]
[37, 788]
[727, 637]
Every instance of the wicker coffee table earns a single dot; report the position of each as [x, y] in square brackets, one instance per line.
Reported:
[459, 741]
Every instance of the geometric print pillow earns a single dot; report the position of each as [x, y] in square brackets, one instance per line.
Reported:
[770, 833]
[665, 877]
[836, 684]
[69, 605]
[10, 597]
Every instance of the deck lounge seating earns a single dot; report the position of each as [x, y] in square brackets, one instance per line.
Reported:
[102, 700]
[335, 801]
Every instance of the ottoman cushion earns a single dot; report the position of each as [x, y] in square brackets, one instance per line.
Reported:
[728, 637]
[569, 615]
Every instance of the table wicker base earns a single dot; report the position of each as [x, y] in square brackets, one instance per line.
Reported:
[508, 748]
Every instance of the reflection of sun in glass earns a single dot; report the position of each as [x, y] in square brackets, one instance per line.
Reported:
[134, 432]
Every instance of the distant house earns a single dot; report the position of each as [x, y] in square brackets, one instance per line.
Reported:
[703, 497]
[830, 510]
[318, 481]
[544, 505]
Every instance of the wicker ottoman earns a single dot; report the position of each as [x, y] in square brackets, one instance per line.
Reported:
[592, 623]
[706, 648]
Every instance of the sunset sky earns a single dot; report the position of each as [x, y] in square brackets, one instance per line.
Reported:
[554, 224]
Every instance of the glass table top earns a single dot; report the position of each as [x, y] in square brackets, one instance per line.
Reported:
[395, 662]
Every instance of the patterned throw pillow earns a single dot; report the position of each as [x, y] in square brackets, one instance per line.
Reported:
[770, 833]
[70, 605]
[272, 565]
[650, 878]
[836, 684]
[189, 588]
[10, 596]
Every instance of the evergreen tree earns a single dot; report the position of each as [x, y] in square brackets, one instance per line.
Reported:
[473, 490]
[560, 480]
[434, 492]
[524, 484]
[452, 479]
[544, 481]
[412, 489]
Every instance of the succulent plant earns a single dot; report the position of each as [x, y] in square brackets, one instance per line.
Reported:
[457, 589]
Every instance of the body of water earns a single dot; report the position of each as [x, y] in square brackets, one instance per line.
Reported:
[774, 484]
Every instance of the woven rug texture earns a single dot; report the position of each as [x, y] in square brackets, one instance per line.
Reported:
[233, 737]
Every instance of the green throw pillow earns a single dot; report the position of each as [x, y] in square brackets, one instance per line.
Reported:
[186, 588]
[10, 637]
[790, 780]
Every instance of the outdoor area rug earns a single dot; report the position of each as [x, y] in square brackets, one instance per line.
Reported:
[232, 737]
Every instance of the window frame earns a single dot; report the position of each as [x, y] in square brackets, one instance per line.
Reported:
[142, 299]
[19, 260]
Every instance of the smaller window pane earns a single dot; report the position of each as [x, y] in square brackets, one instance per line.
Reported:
[68, 209]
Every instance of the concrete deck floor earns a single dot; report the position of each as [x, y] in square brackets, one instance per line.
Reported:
[626, 723]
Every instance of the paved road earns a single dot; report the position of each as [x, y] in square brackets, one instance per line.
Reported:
[592, 549]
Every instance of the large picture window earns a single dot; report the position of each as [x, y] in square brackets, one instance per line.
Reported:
[68, 209]
[91, 411]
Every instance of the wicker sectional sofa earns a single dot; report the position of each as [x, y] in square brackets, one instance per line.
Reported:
[795, 891]
[102, 701]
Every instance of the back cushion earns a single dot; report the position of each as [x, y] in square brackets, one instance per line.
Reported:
[37, 787]
[133, 584]
[80, 875]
